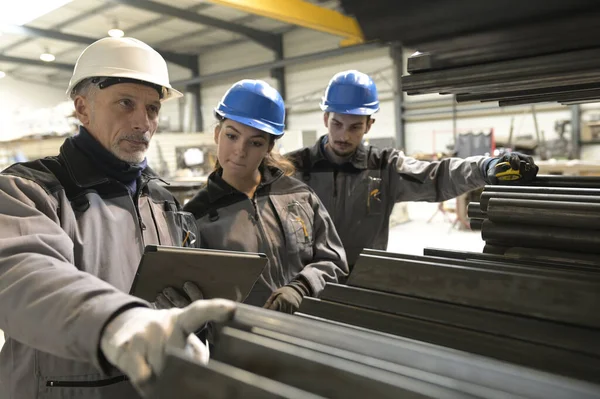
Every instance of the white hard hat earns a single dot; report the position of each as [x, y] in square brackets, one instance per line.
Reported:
[123, 57]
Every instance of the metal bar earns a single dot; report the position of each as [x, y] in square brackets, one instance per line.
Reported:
[380, 21]
[493, 249]
[184, 378]
[301, 59]
[475, 224]
[38, 63]
[559, 190]
[552, 255]
[550, 270]
[301, 13]
[523, 94]
[545, 213]
[525, 40]
[266, 39]
[414, 354]
[528, 294]
[557, 97]
[487, 195]
[524, 67]
[467, 387]
[474, 210]
[398, 61]
[557, 238]
[558, 361]
[295, 366]
[556, 335]
[566, 264]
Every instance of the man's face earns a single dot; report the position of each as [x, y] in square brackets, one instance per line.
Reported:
[122, 117]
[346, 132]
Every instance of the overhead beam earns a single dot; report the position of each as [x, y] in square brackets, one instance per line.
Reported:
[38, 63]
[280, 63]
[70, 21]
[302, 13]
[185, 60]
[266, 39]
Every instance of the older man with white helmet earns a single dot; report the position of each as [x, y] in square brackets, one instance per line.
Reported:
[74, 227]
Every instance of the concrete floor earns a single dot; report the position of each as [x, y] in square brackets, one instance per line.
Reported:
[411, 237]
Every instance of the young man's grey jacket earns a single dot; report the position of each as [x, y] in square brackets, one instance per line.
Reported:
[360, 194]
[70, 243]
[285, 220]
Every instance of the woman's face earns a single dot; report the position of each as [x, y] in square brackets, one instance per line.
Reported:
[240, 148]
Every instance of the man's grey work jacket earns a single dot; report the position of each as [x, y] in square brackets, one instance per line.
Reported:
[360, 194]
[70, 243]
[285, 220]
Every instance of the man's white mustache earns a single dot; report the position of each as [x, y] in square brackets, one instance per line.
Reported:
[135, 137]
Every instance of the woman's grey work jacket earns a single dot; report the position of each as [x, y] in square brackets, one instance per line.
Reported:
[284, 220]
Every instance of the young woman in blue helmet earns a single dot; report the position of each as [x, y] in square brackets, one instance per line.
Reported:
[251, 203]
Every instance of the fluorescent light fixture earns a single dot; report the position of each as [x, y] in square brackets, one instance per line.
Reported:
[47, 57]
[24, 11]
[116, 33]
[2, 74]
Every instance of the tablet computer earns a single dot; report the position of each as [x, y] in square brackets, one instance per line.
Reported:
[218, 274]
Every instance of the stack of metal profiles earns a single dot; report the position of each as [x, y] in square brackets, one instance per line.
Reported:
[553, 214]
[529, 313]
[508, 51]
[265, 354]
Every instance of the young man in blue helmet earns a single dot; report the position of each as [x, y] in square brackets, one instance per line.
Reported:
[250, 203]
[359, 184]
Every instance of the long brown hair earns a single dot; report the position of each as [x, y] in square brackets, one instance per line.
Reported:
[273, 159]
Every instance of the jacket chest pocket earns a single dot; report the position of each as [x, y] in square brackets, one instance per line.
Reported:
[298, 226]
[375, 204]
[180, 227]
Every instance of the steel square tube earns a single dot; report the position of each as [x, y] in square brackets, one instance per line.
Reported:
[565, 300]
[448, 253]
[458, 365]
[320, 373]
[562, 336]
[552, 270]
[562, 362]
[184, 378]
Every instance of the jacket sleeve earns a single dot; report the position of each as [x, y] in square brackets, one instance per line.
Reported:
[329, 258]
[45, 301]
[414, 180]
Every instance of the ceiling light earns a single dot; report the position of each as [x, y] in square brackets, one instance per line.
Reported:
[24, 11]
[47, 57]
[115, 32]
[2, 74]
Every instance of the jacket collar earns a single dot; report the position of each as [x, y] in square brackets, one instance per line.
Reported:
[317, 154]
[83, 171]
[218, 188]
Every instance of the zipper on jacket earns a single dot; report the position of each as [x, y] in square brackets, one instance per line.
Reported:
[86, 384]
[261, 229]
[335, 188]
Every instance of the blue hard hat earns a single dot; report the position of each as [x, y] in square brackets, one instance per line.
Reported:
[254, 103]
[351, 92]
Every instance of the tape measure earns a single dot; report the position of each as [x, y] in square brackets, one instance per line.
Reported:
[505, 172]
